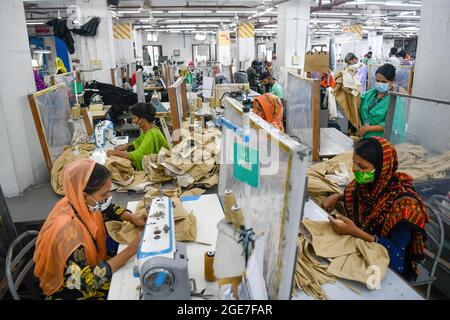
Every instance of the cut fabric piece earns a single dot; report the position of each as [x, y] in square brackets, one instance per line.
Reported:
[70, 154]
[348, 102]
[122, 172]
[141, 183]
[193, 192]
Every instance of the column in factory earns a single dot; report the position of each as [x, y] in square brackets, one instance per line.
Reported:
[432, 73]
[246, 44]
[21, 162]
[293, 20]
[123, 42]
[224, 49]
[96, 53]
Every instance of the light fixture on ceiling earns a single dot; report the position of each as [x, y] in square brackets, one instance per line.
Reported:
[261, 13]
[192, 11]
[35, 23]
[200, 37]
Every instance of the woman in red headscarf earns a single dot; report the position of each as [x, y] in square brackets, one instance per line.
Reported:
[270, 108]
[71, 249]
[382, 205]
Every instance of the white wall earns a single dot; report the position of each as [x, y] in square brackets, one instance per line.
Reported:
[21, 161]
[293, 20]
[99, 47]
[432, 74]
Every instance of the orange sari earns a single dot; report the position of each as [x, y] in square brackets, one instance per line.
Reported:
[65, 230]
[272, 109]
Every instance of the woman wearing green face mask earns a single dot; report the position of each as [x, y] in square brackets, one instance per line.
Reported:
[381, 205]
[149, 142]
[375, 104]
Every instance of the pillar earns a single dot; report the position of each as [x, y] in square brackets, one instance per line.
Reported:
[123, 42]
[224, 47]
[99, 48]
[21, 161]
[432, 75]
[246, 44]
[138, 44]
[293, 20]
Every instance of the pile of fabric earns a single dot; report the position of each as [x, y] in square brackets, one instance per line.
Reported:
[323, 256]
[417, 162]
[124, 177]
[185, 222]
[192, 163]
[320, 176]
[70, 154]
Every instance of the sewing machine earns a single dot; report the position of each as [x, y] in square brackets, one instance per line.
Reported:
[104, 131]
[161, 262]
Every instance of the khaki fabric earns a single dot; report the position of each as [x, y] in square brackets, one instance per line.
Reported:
[154, 170]
[348, 102]
[319, 187]
[64, 159]
[193, 192]
[436, 167]
[140, 183]
[122, 172]
[208, 181]
[185, 223]
[351, 258]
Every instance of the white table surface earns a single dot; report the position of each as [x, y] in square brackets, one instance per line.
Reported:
[393, 287]
[333, 142]
[208, 211]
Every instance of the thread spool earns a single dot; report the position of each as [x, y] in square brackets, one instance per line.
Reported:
[75, 112]
[199, 102]
[238, 216]
[209, 270]
[229, 200]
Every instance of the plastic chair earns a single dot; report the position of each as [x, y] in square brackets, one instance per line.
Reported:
[18, 267]
[435, 239]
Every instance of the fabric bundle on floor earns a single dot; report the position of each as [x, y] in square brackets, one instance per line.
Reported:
[185, 223]
[345, 257]
[192, 162]
[70, 154]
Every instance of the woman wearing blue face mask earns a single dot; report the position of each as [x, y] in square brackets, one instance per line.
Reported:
[382, 206]
[71, 255]
[375, 104]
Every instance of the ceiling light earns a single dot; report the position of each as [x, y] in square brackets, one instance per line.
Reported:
[35, 23]
[332, 13]
[237, 11]
[131, 11]
[180, 25]
[261, 13]
[193, 11]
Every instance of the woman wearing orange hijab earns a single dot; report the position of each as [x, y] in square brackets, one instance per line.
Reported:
[71, 248]
[270, 108]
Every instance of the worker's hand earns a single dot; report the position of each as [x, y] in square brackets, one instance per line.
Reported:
[110, 153]
[138, 221]
[329, 203]
[343, 225]
[123, 147]
[361, 131]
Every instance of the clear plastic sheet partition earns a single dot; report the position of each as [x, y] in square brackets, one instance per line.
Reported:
[299, 109]
[421, 133]
[118, 77]
[54, 112]
[403, 75]
[264, 207]
[68, 79]
[283, 76]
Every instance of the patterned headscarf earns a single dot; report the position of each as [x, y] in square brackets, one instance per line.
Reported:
[272, 109]
[390, 200]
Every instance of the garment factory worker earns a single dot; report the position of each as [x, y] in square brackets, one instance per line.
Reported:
[393, 58]
[352, 60]
[367, 58]
[60, 68]
[71, 249]
[252, 73]
[375, 104]
[275, 88]
[150, 141]
[270, 108]
[382, 206]
[133, 76]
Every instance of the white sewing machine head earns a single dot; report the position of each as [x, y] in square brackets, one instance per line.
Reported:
[161, 262]
[104, 131]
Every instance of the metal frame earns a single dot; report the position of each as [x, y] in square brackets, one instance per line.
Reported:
[292, 212]
[11, 263]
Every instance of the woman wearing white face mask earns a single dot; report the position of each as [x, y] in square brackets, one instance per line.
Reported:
[375, 104]
[71, 250]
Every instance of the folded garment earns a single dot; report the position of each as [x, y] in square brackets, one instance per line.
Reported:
[121, 169]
